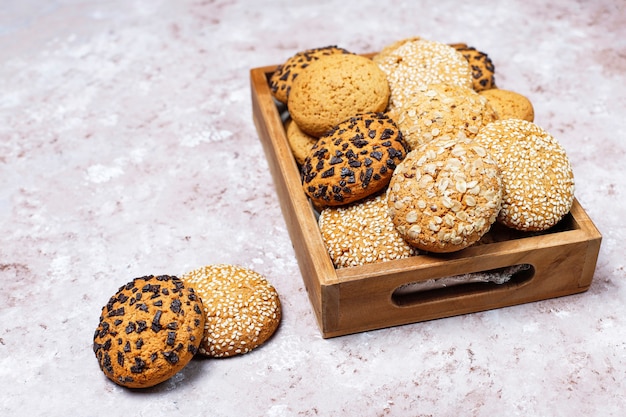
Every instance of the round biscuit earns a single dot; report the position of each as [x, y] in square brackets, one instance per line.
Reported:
[148, 331]
[537, 178]
[299, 142]
[442, 111]
[420, 62]
[445, 195]
[242, 309]
[282, 78]
[362, 233]
[482, 67]
[335, 88]
[509, 104]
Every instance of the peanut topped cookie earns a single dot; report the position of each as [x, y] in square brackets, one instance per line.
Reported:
[537, 179]
[445, 195]
[442, 111]
[241, 307]
[420, 62]
[335, 88]
[148, 331]
[354, 160]
[281, 80]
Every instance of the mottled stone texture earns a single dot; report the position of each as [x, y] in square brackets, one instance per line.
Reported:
[127, 148]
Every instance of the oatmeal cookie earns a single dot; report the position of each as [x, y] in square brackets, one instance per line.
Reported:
[445, 195]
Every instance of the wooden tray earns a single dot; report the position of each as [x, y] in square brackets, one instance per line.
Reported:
[362, 298]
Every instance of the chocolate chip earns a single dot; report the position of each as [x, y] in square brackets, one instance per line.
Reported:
[328, 173]
[130, 327]
[171, 357]
[335, 160]
[120, 358]
[141, 326]
[377, 155]
[117, 312]
[139, 366]
[171, 338]
[156, 326]
[175, 306]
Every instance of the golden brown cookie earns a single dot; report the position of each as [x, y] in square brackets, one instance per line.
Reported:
[299, 142]
[335, 88]
[420, 62]
[362, 233]
[242, 309]
[445, 195]
[282, 78]
[537, 179]
[509, 104]
[483, 69]
[442, 111]
[355, 160]
[148, 331]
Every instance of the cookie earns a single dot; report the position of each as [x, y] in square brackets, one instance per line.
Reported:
[390, 48]
[445, 195]
[335, 88]
[362, 233]
[354, 160]
[442, 111]
[148, 331]
[421, 62]
[509, 104]
[537, 179]
[242, 309]
[482, 67]
[282, 78]
[299, 142]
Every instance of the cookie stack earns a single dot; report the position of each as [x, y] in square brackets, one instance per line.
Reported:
[416, 150]
[154, 325]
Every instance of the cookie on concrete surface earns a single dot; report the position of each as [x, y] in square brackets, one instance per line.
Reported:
[282, 78]
[362, 233]
[242, 309]
[299, 142]
[335, 88]
[537, 179]
[509, 104]
[420, 62]
[483, 69]
[148, 331]
[353, 161]
[445, 195]
[442, 111]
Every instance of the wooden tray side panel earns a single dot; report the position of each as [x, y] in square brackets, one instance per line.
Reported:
[313, 260]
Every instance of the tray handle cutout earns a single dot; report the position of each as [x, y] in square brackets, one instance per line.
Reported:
[444, 288]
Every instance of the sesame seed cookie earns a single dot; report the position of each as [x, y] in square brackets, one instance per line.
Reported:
[442, 111]
[445, 195]
[334, 88]
[148, 331]
[362, 233]
[509, 104]
[282, 78]
[483, 69]
[299, 142]
[242, 309]
[537, 179]
[354, 160]
[422, 62]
